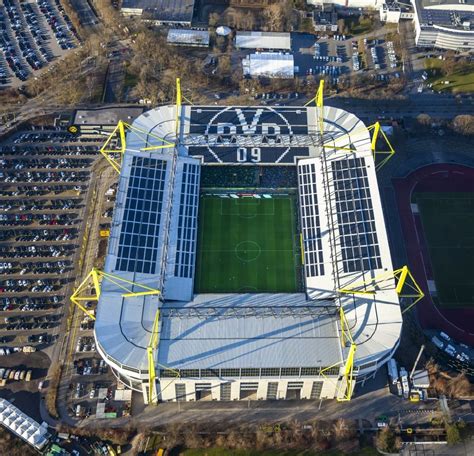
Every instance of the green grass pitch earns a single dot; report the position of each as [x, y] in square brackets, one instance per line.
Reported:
[247, 245]
[448, 225]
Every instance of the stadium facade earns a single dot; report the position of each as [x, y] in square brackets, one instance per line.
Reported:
[233, 346]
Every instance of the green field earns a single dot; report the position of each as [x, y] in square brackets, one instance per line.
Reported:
[247, 245]
[448, 225]
[459, 81]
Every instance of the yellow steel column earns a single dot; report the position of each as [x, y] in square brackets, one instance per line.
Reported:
[178, 106]
[151, 350]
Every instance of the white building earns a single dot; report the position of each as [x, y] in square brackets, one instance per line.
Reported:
[23, 426]
[444, 24]
[188, 37]
[263, 40]
[269, 64]
[232, 346]
[366, 4]
[392, 11]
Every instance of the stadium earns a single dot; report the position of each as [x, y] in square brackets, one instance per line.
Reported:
[228, 293]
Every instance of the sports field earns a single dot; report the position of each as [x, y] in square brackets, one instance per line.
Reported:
[448, 226]
[247, 245]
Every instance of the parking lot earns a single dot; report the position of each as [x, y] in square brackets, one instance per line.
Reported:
[340, 55]
[32, 34]
[44, 182]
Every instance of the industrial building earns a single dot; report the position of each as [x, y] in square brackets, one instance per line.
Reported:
[162, 338]
[269, 65]
[444, 24]
[263, 40]
[160, 12]
[23, 426]
[188, 37]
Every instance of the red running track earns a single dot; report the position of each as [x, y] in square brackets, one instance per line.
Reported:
[458, 323]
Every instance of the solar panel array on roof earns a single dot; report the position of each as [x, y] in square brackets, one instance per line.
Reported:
[313, 249]
[187, 222]
[355, 216]
[138, 242]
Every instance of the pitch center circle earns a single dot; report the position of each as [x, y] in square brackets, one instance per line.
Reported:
[247, 251]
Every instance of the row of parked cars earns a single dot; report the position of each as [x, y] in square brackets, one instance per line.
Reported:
[15, 374]
[39, 35]
[47, 163]
[25, 37]
[36, 176]
[61, 26]
[10, 52]
[28, 251]
[19, 204]
[30, 303]
[445, 343]
[32, 235]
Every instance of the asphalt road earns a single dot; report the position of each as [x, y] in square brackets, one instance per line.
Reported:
[437, 106]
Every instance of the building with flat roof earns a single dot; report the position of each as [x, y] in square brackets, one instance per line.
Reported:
[269, 65]
[325, 18]
[263, 40]
[368, 4]
[247, 344]
[169, 12]
[23, 426]
[444, 24]
[188, 37]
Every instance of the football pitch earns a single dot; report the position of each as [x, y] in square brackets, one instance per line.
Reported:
[247, 245]
[448, 226]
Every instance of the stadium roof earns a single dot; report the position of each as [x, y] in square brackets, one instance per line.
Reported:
[210, 331]
[263, 40]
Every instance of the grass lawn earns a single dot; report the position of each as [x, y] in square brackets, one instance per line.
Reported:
[360, 26]
[247, 245]
[461, 81]
[448, 225]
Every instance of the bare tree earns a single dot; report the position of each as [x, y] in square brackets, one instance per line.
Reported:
[277, 16]
[424, 119]
[464, 124]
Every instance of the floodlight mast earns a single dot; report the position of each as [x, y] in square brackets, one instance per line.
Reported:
[93, 281]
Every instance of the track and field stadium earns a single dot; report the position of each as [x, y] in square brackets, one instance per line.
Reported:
[436, 208]
[260, 293]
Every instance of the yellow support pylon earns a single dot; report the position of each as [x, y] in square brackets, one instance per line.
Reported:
[151, 351]
[348, 375]
[404, 281]
[319, 101]
[178, 106]
[388, 154]
[94, 279]
[377, 130]
[119, 133]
